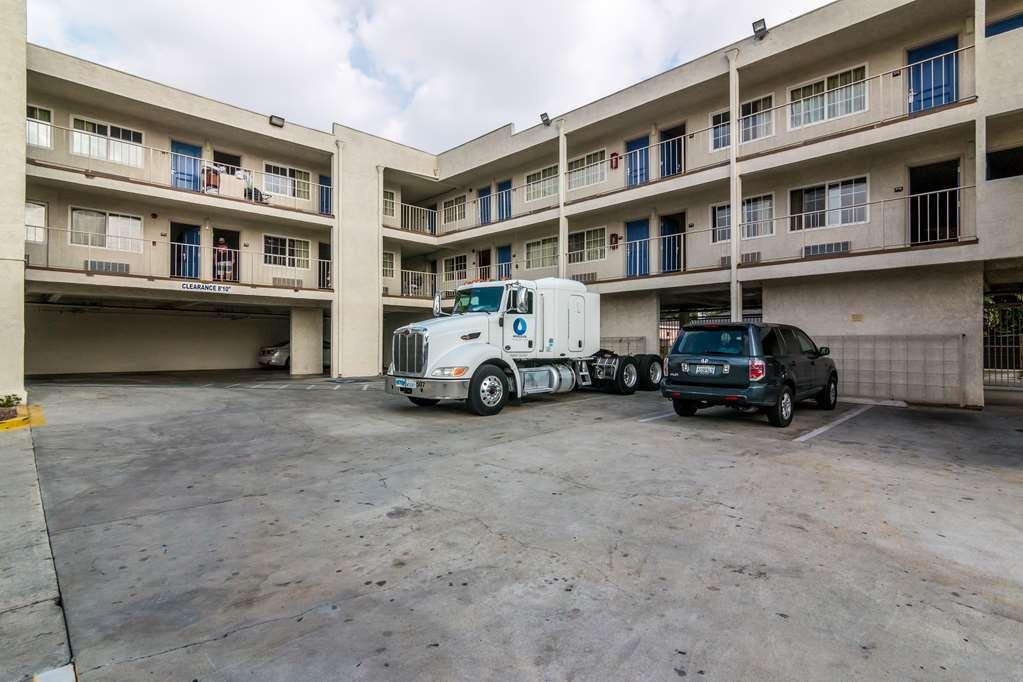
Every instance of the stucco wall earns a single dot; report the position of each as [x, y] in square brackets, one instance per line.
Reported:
[61, 341]
[945, 301]
[631, 315]
[12, 196]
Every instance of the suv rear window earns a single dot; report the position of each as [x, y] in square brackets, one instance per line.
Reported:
[713, 341]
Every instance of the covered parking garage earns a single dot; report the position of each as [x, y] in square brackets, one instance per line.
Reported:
[82, 329]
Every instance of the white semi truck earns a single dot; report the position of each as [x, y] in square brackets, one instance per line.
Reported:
[512, 338]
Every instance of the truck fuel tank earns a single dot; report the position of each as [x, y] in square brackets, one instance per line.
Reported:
[547, 379]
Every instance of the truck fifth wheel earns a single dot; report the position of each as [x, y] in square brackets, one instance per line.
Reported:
[512, 338]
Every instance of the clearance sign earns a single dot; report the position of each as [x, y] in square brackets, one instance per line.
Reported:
[201, 286]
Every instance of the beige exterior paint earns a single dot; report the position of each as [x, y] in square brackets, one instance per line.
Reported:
[12, 197]
[73, 341]
[306, 341]
[944, 301]
[881, 143]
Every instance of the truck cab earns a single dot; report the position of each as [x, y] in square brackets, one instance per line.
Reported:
[505, 339]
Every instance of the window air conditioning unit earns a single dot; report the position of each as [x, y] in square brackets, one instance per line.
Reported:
[106, 267]
[827, 249]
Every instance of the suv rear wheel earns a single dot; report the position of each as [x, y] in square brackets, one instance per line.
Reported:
[683, 408]
[828, 397]
[781, 413]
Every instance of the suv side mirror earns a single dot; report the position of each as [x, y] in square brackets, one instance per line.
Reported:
[823, 350]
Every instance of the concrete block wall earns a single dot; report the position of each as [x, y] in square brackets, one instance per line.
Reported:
[938, 302]
[631, 315]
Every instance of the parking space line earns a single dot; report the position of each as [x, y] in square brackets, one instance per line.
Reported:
[827, 427]
[656, 417]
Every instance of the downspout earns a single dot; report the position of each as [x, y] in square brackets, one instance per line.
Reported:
[335, 275]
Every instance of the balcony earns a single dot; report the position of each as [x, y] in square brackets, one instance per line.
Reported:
[54, 248]
[104, 156]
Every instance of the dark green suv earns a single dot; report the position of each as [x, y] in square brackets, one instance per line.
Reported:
[769, 367]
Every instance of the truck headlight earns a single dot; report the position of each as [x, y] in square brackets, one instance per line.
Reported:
[450, 372]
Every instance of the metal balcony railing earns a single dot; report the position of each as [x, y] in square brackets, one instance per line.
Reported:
[99, 154]
[105, 252]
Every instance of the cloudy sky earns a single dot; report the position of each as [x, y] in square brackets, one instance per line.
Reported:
[429, 74]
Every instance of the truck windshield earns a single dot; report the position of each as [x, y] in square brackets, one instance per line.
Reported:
[713, 341]
[478, 300]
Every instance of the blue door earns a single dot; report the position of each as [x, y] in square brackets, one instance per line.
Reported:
[504, 196]
[637, 161]
[637, 248]
[933, 75]
[185, 165]
[483, 194]
[671, 243]
[504, 262]
[325, 202]
[185, 251]
[672, 151]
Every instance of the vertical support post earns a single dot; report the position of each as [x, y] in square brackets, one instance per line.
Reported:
[654, 247]
[735, 185]
[654, 173]
[562, 185]
[335, 266]
[980, 66]
[12, 197]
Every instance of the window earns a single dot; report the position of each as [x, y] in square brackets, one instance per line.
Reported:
[757, 118]
[587, 170]
[542, 253]
[513, 300]
[805, 344]
[731, 341]
[388, 264]
[1004, 25]
[757, 219]
[770, 342]
[35, 222]
[1005, 163]
[454, 209]
[389, 203]
[106, 142]
[791, 344]
[721, 221]
[227, 163]
[721, 130]
[38, 131]
[758, 216]
[289, 182]
[842, 202]
[454, 267]
[285, 251]
[542, 183]
[106, 230]
[834, 96]
[587, 245]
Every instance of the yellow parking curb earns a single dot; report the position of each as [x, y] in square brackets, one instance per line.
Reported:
[28, 415]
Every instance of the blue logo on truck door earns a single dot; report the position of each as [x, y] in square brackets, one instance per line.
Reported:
[519, 326]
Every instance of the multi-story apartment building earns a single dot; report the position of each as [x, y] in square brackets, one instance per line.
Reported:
[856, 171]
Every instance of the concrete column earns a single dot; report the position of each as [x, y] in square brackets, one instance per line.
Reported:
[654, 244]
[980, 125]
[306, 341]
[655, 154]
[562, 185]
[12, 196]
[735, 185]
[380, 270]
[335, 267]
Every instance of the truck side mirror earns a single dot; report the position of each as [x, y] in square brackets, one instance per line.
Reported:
[521, 300]
[437, 310]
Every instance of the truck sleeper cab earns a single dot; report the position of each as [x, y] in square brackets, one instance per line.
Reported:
[512, 338]
[768, 367]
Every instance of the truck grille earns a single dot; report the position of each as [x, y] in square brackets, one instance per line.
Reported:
[409, 352]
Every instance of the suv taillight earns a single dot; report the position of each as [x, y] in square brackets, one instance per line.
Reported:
[757, 369]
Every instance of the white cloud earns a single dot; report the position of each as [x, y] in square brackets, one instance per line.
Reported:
[427, 75]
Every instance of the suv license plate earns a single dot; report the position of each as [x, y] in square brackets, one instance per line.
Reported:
[405, 383]
[705, 369]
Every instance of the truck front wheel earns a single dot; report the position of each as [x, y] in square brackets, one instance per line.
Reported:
[488, 391]
[627, 378]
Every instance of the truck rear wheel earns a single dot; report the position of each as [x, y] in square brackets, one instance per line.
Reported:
[650, 372]
[488, 391]
[627, 378]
